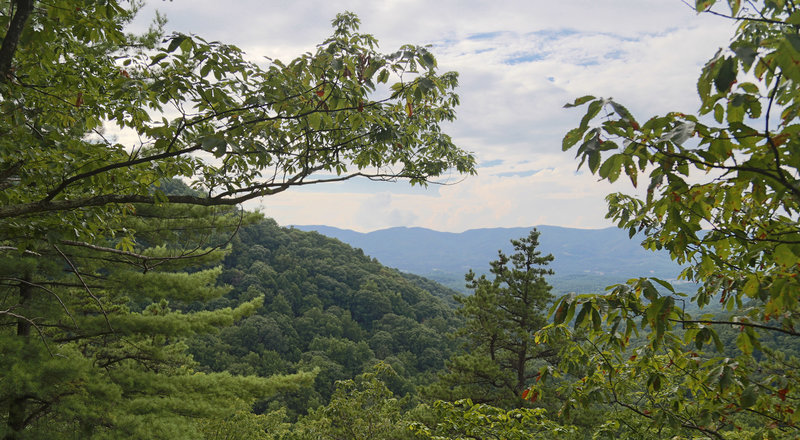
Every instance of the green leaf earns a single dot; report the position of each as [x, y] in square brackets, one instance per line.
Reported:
[215, 144]
[751, 286]
[735, 5]
[314, 120]
[158, 57]
[571, 138]
[597, 321]
[561, 313]
[726, 378]
[383, 76]
[649, 291]
[726, 75]
[794, 40]
[784, 256]
[607, 166]
[744, 343]
[746, 54]
[594, 160]
[591, 112]
[703, 5]
[794, 18]
[580, 101]
[428, 60]
[749, 396]
[175, 42]
[719, 113]
[582, 314]
[621, 111]
[664, 284]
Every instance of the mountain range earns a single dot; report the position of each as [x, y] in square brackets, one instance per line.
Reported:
[585, 259]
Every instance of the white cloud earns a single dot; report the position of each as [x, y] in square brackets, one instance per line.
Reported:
[519, 62]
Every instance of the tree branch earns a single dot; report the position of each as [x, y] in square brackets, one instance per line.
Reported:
[31, 322]
[85, 286]
[734, 323]
[168, 154]
[39, 286]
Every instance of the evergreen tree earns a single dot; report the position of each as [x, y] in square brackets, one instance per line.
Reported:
[96, 347]
[502, 315]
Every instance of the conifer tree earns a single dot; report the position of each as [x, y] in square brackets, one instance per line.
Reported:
[502, 316]
[96, 349]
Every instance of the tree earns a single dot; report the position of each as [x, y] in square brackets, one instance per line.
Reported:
[722, 198]
[465, 420]
[102, 258]
[95, 345]
[239, 132]
[361, 409]
[501, 318]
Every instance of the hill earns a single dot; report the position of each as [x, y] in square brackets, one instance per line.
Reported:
[328, 307]
[585, 259]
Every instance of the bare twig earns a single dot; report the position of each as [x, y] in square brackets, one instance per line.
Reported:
[32, 323]
[39, 286]
[85, 286]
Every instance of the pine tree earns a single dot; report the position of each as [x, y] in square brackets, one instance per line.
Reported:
[97, 346]
[501, 317]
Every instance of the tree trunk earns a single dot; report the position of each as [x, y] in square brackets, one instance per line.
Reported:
[15, 28]
[16, 406]
[522, 357]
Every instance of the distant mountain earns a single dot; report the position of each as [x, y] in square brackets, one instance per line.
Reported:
[585, 259]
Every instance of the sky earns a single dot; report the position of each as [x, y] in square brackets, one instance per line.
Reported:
[519, 62]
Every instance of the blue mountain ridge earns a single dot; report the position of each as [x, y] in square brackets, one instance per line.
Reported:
[592, 258]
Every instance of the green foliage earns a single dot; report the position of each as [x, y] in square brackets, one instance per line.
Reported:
[466, 420]
[360, 409]
[244, 425]
[365, 408]
[319, 312]
[317, 118]
[105, 261]
[94, 349]
[501, 318]
[722, 198]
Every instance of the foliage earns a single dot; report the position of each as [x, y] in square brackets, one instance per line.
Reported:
[501, 318]
[360, 409]
[244, 425]
[364, 408]
[319, 313]
[465, 420]
[95, 345]
[722, 197]
[104, 264]
[203, 113]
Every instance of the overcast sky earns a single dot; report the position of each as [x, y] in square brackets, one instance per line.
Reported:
[519, 61]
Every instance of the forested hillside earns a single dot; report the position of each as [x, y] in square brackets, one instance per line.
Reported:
[327, 307]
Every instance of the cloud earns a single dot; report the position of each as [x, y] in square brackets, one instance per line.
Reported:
[519, 62]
